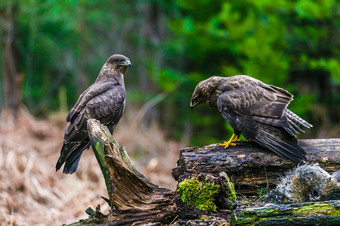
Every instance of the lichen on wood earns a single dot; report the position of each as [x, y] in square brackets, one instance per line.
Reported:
[132, 197]
[310, 213]
[126, 188]
[212, 172]
[230, 189]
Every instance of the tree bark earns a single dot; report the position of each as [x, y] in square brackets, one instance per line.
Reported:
[134, 200]
[250, 166]
[12, 79]
[132, 197]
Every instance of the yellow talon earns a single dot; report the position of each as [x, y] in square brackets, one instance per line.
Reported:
[230, 142]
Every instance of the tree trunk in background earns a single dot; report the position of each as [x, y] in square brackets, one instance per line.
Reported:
[11, 78]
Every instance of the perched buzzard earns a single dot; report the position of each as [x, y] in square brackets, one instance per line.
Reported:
[104, 100]
[256, 110]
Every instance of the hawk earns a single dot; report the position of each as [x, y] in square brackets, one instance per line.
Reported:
[104, 100]
[256, 110]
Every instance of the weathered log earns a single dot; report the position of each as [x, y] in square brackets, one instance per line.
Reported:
[132, 197]
[134, 200]
[310, 213]
[250, 166]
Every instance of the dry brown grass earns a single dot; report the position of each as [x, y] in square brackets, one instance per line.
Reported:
[32, 193]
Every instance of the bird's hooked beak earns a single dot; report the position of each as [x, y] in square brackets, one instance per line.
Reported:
[126, 63]
[193, 103]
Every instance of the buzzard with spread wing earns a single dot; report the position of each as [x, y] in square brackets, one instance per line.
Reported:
[256, 110]
[104, 100]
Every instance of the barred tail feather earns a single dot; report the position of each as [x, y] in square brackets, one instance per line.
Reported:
[297, 120]
[295, 123]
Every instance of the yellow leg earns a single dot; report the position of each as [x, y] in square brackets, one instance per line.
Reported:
[230, 142]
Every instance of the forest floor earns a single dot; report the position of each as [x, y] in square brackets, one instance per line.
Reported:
[33, 193]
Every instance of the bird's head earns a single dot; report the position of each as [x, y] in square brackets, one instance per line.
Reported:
[197, 97]
[119, 62]
[204, 92]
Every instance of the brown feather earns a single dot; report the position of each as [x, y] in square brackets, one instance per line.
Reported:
[255, 109]
[104, 100]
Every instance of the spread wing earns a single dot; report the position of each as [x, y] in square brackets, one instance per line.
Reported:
[258, 111]
[101, 101]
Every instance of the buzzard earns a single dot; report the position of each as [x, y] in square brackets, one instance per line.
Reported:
[104, 100]
[256, 110]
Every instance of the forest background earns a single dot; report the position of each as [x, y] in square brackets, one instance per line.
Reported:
[51, 51]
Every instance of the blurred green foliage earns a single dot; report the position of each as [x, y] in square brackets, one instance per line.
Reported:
[175, 44]
[291, 44]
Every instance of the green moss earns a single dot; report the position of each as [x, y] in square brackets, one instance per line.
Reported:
[98, 149]
[318, 212]
[203, 217]
[231, 193]
[317, 208]
[198, 194]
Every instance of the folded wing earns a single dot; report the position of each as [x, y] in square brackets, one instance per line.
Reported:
[259, 111]
[104, 102]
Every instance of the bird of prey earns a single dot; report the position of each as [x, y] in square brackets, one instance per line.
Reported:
[104, 100]
[256, 110]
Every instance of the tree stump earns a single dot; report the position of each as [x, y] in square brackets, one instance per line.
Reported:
[251, 167]
[132, 197]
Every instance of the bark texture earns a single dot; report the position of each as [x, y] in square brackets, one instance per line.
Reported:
[250, 166]
[132, 197]
[134, 200]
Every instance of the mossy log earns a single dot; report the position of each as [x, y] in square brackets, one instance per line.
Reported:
[250, 166]
[132, 197]
[134, 200]
[310, 213]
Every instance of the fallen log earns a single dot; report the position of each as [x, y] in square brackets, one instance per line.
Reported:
[134, 200]
[310, 213]
[251, 167]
